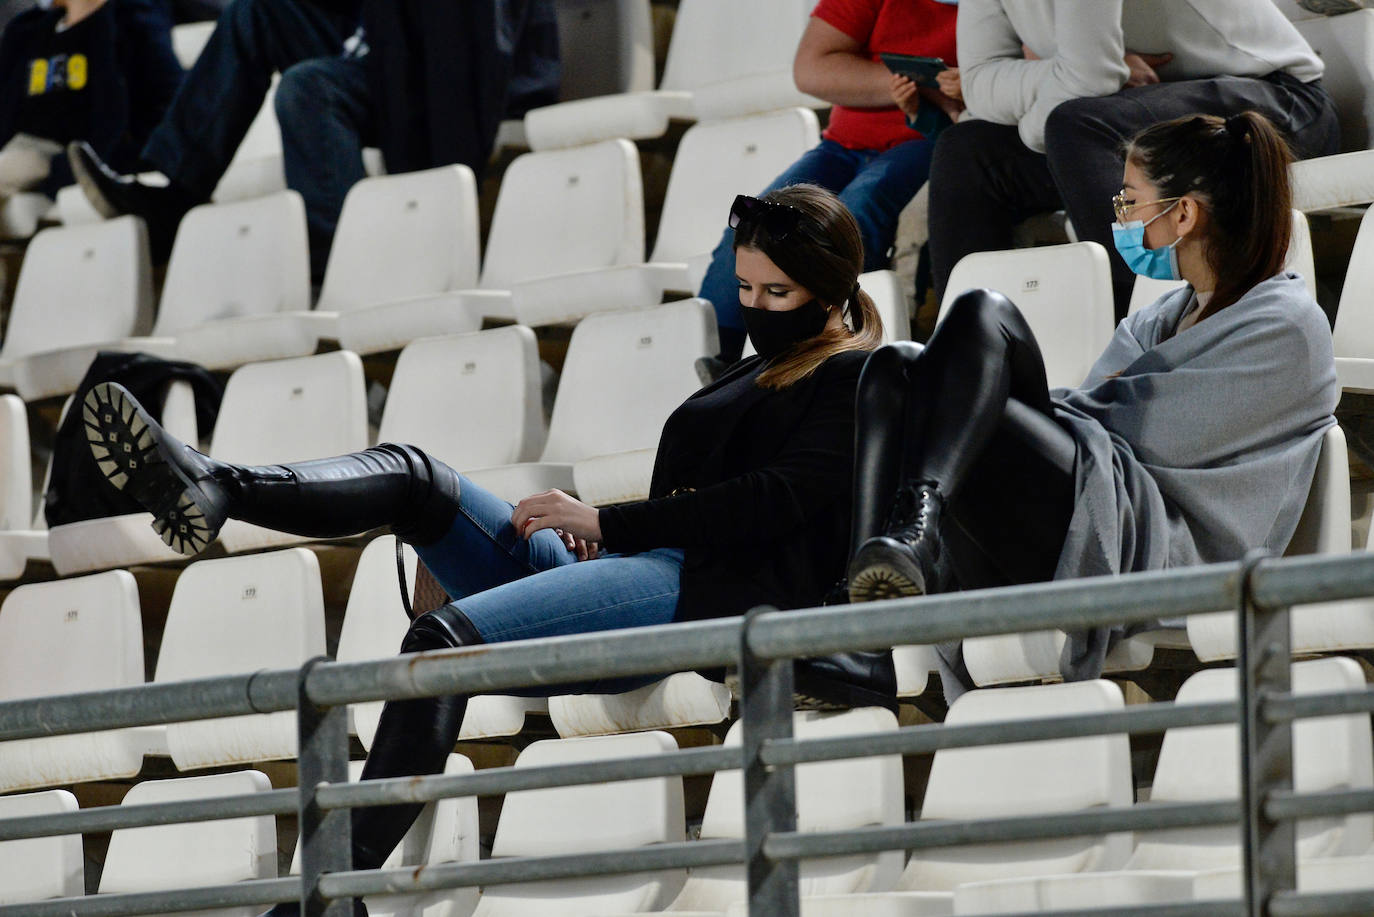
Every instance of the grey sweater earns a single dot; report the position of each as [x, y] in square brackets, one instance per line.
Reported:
[1082, 45]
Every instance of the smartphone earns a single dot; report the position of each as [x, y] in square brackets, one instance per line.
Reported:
[920, 70]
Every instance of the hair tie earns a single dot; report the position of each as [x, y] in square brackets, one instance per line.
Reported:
[1238, 126]
[854, 290]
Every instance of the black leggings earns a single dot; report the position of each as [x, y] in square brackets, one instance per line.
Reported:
[970, 411]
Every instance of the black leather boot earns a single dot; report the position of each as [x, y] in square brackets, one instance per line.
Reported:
[191, 495]
[903, 561]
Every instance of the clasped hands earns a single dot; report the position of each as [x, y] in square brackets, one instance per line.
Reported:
[578, 524]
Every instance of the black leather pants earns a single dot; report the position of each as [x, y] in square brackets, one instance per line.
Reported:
[971, 412]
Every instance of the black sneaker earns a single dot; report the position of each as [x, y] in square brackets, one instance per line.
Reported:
[901, 563]
[113, 195]
[168, 478]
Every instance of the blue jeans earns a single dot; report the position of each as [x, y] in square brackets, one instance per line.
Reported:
[513, 589]
[323, 106]
[875, 186]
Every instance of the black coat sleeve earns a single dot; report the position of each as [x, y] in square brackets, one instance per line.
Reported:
[811, 471]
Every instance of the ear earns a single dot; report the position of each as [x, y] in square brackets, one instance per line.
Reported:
[1188, 215]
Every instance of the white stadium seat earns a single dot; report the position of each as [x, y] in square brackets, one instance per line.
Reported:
[613, 815]
[1345, 43]
[19, 540]
[231, 616]
[375, 623]
[191, 854]
[472, 400]
[646, 358]
[66, 637]
[993, 781]
[279, 411]
[724, 59]
[684, 699]
[1327, 874]
[236, 273]
[80, 289]
[37, 868]
[1323, 529]
[1353, 336]
[1202, 763]
[606, 46]
[1064, 291]
[444, 832]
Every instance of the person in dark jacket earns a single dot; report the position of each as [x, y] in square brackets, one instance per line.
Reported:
[102, 71]
[427, 81]
[750, 500]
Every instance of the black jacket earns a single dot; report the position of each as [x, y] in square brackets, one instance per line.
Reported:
[755, 484]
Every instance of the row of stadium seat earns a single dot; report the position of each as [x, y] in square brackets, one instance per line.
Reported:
[1031, 778]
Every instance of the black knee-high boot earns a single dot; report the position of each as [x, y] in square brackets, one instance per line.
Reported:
[414, 737]
[956, 390]
[191, 495]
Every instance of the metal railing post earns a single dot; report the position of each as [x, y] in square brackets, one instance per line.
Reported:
[325, 834]
[1266, 749]
[770, 793]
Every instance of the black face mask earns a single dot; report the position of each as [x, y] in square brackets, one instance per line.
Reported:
[774, 333]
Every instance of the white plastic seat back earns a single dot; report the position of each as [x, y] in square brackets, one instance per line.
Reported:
[37, 868]
[192, 854]
[79, 285]
[1064, 291]
[236, 615]
[234, 260]
[716, 41]
[584, 819]
[64, 637]
[1353, 335]
[16, 481]
[606, 46]
[715, 161]
[566, 210]
[288, 411]
[831, 796]
[471, 400]
[1323, 528]
[401, 236]
[646, 357]
[1025, 778]
[885, 288]
[1345, 44]
[445, 832]
[1202, 763]
[374, 625]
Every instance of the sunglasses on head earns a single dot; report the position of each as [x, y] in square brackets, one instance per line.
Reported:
[779, 220]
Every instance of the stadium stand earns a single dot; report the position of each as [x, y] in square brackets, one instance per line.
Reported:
[66, 637]
[80, 289]
[38, 868]
[237, 614]
[198, 853]
[1200, 763]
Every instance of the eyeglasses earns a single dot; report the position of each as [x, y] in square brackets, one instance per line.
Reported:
[779, 220]
[1123, 205]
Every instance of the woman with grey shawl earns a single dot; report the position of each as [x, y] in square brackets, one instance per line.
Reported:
[1193, 440]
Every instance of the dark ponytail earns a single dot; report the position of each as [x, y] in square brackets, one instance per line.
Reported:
[1238, 167]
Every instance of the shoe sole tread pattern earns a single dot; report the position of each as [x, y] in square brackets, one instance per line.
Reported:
[131, 458]
[877, 581]
[94, 193]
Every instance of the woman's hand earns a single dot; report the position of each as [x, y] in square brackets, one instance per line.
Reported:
[950, 83]
[1142, 67]
[584, 549]
[906, 94]
[554, 509]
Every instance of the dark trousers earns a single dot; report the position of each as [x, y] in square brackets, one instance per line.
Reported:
[323, 105]
[970, 411]
[984, 180]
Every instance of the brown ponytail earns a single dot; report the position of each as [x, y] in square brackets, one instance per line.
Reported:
[824, 254]
[1238, 168]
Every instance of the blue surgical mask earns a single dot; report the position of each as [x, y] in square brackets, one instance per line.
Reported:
[1159, 263]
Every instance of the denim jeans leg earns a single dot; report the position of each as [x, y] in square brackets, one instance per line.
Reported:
[881, 189]
[482, 550]
[324, 109]
[829, 165]
[222, 94]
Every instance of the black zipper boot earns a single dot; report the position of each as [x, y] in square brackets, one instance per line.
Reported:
[191, 495]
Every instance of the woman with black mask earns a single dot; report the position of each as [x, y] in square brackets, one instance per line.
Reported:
[749, 505]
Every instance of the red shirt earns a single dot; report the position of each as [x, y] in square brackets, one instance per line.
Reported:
[920, 27]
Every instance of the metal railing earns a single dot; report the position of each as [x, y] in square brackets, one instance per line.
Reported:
[762, 645]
